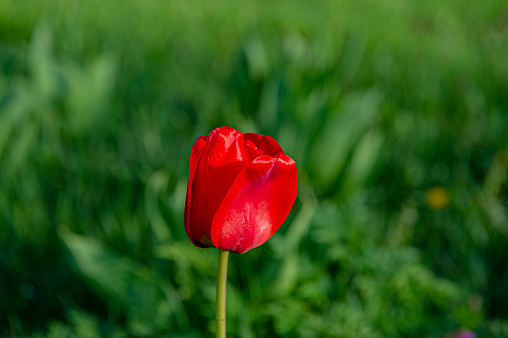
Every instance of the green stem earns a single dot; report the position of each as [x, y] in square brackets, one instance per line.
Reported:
[220, 309]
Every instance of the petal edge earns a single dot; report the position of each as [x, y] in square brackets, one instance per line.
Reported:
[256, 205]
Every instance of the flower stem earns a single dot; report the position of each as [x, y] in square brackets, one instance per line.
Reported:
[220, 309]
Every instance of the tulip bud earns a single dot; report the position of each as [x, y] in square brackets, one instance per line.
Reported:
[241, 188]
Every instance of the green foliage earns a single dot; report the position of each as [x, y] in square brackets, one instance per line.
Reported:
[395, 112]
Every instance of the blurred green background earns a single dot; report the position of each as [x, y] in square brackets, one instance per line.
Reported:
[395, 112]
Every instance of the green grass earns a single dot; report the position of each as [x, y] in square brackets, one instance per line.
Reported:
[378, 103]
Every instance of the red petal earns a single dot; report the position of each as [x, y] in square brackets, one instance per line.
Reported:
[196, 151]
[256, 205]
[252, 150]
[266, 145]
[253, 137]
[222, 158]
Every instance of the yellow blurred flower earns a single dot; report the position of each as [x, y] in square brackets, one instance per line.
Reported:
[437, 197]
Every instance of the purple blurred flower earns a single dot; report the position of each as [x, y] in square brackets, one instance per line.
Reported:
[463, 334]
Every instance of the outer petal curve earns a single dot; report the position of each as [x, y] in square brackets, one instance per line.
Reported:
[265, 144]
[196, 151]
[256, 205]
[222, 158]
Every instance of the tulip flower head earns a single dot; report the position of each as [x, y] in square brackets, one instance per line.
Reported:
[241, 188]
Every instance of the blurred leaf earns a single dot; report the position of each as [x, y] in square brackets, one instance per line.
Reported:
[123, 280]
[89, 90]
[9, 120]
[363, 161]
[341, 133]
[352, 54]
[21, 148]
[268, 113]
[85, 325]
[41, 61]
[110, 271]
[289, 271]
[257, 58]
[155, 184]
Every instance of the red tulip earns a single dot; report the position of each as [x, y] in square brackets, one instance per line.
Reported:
[241, 189]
